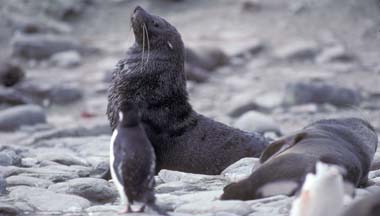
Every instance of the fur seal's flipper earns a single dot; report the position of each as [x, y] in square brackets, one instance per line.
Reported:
[281, 145]
[152, 77]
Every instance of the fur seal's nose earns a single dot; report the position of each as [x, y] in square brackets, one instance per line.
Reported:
[138, 8]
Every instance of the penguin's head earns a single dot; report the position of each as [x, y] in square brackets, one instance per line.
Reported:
[129, 115]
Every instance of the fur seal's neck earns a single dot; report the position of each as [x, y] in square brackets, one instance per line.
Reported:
[157, 86]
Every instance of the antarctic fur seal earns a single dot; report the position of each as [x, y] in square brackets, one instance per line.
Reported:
[347, 142]
[152, 77]
[132, 162]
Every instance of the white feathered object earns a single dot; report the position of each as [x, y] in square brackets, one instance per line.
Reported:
[322, 193]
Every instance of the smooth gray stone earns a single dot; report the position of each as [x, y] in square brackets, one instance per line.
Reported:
[13, 118]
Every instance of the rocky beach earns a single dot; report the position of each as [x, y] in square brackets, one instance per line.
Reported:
[270, 66]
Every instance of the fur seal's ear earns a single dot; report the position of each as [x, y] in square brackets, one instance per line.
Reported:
[170, 45]
[281, 145]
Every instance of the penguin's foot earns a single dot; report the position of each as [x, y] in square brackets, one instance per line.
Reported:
[126, 210]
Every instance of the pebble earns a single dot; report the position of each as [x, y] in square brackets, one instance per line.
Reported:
[46, 200]
[42, 46]
[9, 158]
[320, 93]
[10, 74]
[62, 158]
[67, 59]
[15, 117]
[68, 10]
[28, 181]
[65, 94]
[196, 74]
[12, 97]
[335, 54]
[217, 206]
[299, 50]
[243, 103]
[32, 25]
[8, 210]
[257, 122]
[240, 169]
[93, 189]
[245, 50]
[3, 185]
[205, 57]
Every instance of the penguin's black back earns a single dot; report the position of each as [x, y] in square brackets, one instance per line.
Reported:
[134, 162]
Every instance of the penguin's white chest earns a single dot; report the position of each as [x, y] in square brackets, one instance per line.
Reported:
[119, 186]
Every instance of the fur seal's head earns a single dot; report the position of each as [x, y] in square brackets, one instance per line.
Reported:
[153, 32]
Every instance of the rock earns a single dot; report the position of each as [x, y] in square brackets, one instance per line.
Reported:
[46, 200]
[30, 25]
[207, 58]
[269, 101]
[93, 189]
[335, 54]
[240, 169]
[8, 210]
[178, 187]
[299, 50]
[245, 50]
[68, 10]
[243, 103]
[41, 46]
[174, 176]
[101, 168]
[251, 5]
[29, 162]
[12, 97]
[13, 118]
[9, 158]
[64, 94]
[258, 122]
[52, 173]
[62, 158]
[71, 132]
[3, 185]
[10, 74]
[235, 207]
[28, 181]
[57, 93]
[67, 59]
[195, 73]
[319, 93]
[304, 108]
[374, 174]
[104, 210]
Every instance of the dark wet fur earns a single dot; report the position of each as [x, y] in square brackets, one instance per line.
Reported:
[183, 139]
[350, 143]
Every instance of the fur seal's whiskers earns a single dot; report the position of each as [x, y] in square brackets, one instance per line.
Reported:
[147, 40]
[143, 49]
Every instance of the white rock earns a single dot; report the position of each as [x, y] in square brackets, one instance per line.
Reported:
[240, 169]
[67, 59]
[258, 122]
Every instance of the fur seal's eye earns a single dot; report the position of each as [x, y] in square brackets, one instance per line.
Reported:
[156, 24]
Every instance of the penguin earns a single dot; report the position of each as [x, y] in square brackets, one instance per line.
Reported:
[323, 193]
[132, 162]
